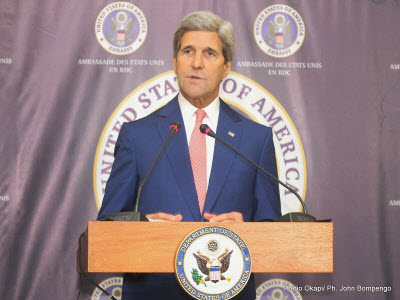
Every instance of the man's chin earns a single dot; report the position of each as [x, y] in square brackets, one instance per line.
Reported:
[197, 92]
[198, 97]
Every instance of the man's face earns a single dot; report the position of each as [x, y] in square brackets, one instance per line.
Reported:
[199, 66]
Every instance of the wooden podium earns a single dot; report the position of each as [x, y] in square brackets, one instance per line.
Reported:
[131, 247]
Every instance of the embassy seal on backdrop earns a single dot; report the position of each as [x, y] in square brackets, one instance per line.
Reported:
[112, 285]
[279, 30]
[277, 289]
[242, 94]
[121, 28]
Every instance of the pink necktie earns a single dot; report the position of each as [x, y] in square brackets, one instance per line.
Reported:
[198, 158]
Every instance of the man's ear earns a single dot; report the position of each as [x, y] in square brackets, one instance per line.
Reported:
[174, 62]
[227, 67]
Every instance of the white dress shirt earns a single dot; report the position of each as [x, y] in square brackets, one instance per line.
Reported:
[211, 119]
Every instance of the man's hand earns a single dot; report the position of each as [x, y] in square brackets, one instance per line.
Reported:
[232, 217]
[165, 217]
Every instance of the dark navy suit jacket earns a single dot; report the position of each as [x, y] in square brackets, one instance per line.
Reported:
[234, 184]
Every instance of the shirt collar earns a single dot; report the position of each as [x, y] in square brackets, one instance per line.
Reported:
[188, 110]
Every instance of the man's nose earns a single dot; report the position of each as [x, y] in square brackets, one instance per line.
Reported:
[197, 62]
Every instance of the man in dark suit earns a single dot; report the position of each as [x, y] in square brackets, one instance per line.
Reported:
[196, 179]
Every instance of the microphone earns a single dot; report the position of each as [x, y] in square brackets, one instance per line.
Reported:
[129, 215]
[136, 215]
[173, 128]
[290, 217]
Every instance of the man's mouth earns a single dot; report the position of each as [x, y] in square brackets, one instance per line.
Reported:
[194, 77]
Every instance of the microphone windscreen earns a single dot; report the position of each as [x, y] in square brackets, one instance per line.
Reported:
[203, 128]
[176, 125]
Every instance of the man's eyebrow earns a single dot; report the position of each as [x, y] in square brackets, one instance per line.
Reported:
[206, 49]
[186, 47]
[211, 49]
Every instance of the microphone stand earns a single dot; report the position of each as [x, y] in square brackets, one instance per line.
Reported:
[289, 217]
[136, 216]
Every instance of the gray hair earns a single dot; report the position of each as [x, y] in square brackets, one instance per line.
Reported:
[207, 21]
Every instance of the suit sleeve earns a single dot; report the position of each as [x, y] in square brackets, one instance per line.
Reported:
[121, 187]
[268, 204]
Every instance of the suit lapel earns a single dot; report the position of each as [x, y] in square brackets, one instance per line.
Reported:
[178, 154]
[223, 159]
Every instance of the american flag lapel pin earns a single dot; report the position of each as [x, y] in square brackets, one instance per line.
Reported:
[231, 134]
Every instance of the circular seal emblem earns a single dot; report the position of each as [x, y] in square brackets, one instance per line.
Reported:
[121, 28]
[213, 262]
[112, 285]
[278, 289]
[279, 30]
[242, 94]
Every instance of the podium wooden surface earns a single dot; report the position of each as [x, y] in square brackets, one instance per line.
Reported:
[151, 247]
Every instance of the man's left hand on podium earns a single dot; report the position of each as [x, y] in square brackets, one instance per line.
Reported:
[164, 217]
[231, 217]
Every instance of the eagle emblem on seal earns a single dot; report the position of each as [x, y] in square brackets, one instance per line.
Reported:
[122, 29]
[214, 268]
[279, 31]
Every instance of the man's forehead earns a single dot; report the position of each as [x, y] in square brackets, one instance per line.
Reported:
[201, 38]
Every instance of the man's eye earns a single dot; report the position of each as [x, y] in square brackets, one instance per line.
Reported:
[187, 51]
[210, 53]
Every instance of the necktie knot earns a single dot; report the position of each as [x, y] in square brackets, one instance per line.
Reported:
[200, 114]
